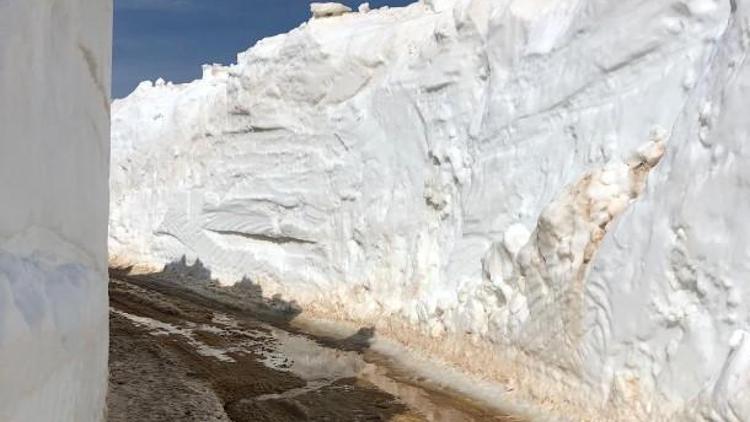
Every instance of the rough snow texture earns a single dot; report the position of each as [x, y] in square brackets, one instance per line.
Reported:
[324, 10]
[482, 172]
[54, 161]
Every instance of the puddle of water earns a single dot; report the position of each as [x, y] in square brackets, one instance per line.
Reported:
[312, 361]
[439, 392]
[294, 392]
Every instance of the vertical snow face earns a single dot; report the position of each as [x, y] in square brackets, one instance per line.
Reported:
[547, 191]
[54, 161]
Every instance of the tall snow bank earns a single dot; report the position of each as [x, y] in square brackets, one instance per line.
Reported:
[54, 160]
[478, 179]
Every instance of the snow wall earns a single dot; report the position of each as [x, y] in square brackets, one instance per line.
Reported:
[552, 194]
[54, 168]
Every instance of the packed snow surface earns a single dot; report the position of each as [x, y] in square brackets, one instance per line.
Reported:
[550, 193]
[54, 161]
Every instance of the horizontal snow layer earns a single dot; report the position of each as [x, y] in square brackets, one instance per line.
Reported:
[478, 179]
[54, 160]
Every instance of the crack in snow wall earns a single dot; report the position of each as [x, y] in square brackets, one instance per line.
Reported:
[402, 166]
[54, 164]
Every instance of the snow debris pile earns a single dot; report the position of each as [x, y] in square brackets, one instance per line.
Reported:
[54, 164]
[324, 10]
[475, 178]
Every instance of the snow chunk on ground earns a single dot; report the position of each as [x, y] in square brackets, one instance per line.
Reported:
[324, 10]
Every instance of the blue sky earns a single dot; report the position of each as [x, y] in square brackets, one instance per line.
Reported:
[172, 38]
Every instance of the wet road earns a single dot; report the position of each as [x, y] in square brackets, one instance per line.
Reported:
[176, 355]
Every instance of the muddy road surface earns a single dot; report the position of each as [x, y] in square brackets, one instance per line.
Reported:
[177, 355]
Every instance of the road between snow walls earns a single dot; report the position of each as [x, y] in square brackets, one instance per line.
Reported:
[179, 352]
[478, 180]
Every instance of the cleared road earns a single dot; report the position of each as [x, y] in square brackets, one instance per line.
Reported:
[178, 355]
